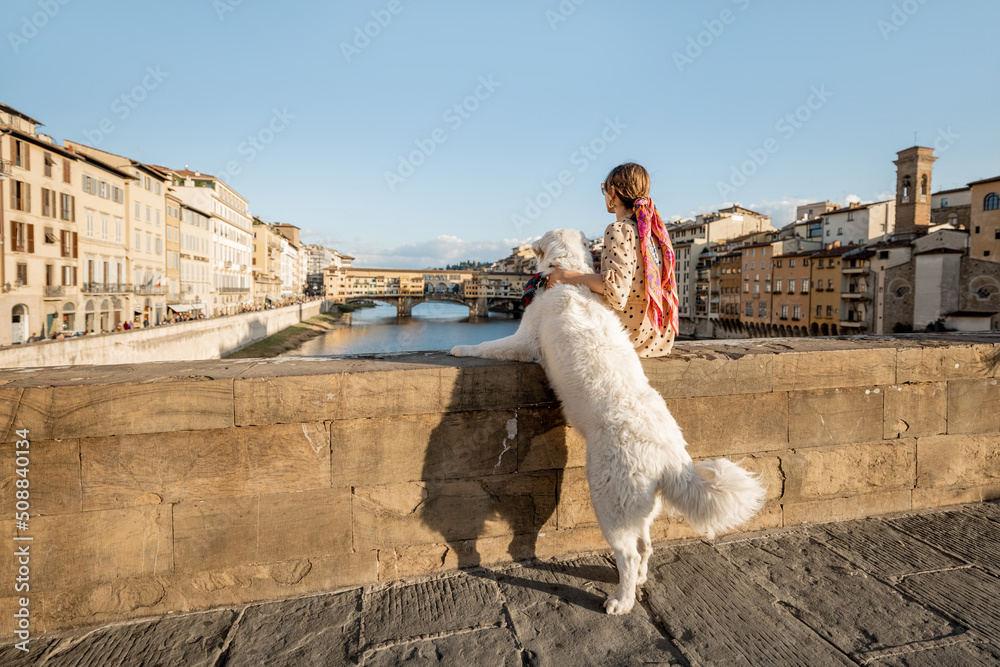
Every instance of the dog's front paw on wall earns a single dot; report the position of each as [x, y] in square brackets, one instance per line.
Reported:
[460, 351]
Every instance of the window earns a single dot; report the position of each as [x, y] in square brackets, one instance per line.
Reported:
[819, 264]
[67, 209]
[104, 227]
[138, 241]
[762, 309]
[828, 232]
[829, 284]
[90, 224]
[20, 196]
[22, 273]
[118, 230]
[883, 254]
[149, 214]
[791, 263]
[23, 236]
[777, 286]
[924, 187]
[944, 202]
[21, 156]
[159, 246]
[996, 233]
[840, 231]
[149, 242]
[784, 311]
[805, 285]
[157, 217]
[137, 213]
[791, 285]
[819, 311]
[805, 262]
[850, 216]
[67, 244]
[777, 263]
[977, 229]
[48, 165]
[796, 312]
[751, 266]
[66, 176]
[992, 202]
[829, 311]
[48, 203]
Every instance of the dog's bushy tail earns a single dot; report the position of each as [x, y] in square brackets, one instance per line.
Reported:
[714, 495]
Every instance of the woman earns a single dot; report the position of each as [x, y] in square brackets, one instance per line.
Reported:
[637, 264]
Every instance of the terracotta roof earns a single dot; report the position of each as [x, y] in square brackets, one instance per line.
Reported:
[985, 180]
[859, 207]
[945, 192]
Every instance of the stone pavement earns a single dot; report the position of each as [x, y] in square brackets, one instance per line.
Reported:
[920, 588]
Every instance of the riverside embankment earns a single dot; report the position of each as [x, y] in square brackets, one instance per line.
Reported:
[184, 341]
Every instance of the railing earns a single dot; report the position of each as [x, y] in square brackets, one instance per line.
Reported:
[55, 291]
[150, 290]
[107, 288]
[232, 290]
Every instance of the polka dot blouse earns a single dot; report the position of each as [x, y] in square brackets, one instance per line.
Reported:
[625, 291]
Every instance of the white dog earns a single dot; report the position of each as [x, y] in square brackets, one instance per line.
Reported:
[636, 455]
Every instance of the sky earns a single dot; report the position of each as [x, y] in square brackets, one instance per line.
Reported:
[416, 134]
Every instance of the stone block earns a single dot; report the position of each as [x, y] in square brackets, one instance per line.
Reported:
[96, 410]
[936, 497]
[834, 416]
[817, 369]
[771, 474]
[553, 449]
[958, 461]
[53, 475]
[816, 473]
[10, 397]
[844, 509]
[89, 548]
[196, 465]
[557, 543]
[973, 406]
[730, 425]
[124, 599]
[429, 559]
[936, 361]
[453, 510]
[914, 410]
[367, 390]
[226, 532]
[575, 509]
[710, 372]
[389, 450]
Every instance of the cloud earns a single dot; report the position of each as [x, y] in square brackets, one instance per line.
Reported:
[439, 251]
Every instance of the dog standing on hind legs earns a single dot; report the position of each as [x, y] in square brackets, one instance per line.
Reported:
[637, 457]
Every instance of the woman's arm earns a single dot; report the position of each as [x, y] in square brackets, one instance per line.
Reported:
[593, 281]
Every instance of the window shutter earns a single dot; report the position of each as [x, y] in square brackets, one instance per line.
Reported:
[66, 171]
[72, 208]
[27, 156]
[31, 238]
[75, 247]
[74, 269]
[14, 204]
[13, 236]
[27, 197]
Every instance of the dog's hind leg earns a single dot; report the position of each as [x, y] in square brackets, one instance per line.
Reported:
[626, 546]
[645, 549]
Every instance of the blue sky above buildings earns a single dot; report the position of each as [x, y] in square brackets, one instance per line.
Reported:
[356, 137]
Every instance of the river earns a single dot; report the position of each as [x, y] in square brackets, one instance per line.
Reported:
[433, 326]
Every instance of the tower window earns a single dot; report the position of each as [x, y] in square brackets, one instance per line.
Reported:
[906, 189]
[924, 187]
[992, 202]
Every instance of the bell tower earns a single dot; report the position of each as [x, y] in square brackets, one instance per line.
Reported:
[914, 168]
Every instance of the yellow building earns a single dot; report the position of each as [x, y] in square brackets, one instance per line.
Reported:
[266, 264]
[39, 215]
[984, 222]
[172, 247]
[107, 298]
[145, 234]
[824, 301]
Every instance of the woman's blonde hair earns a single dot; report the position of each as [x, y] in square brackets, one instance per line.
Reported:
[630, 181]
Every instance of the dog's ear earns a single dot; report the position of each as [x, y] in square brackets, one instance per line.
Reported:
[536, 247]
[586, 243]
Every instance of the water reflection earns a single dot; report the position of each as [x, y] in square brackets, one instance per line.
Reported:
[433, 326]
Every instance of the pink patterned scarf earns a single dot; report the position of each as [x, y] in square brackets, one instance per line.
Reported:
[661, 287]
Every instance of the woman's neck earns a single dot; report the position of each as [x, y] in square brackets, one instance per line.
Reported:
[621, 211]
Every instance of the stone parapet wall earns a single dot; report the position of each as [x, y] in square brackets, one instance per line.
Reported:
[197, 339]
[169, 487]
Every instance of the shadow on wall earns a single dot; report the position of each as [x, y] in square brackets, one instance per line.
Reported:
[492, 475]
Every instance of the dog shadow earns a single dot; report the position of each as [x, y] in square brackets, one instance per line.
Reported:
[490, 491]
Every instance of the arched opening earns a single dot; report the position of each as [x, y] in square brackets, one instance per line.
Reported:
[51, 321]
[833, 329]
[105, 315]
[813, 329]
[825, 329]
[69, 317]
[116, 308]
[19, 324]
[992, 202]
[90, 326]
